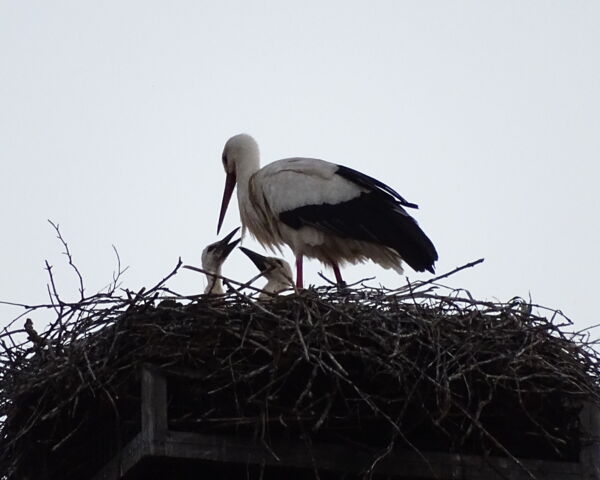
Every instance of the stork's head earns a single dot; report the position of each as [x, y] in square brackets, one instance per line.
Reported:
[240, 159]
[215, 254]
[239, 148]
[276, 271]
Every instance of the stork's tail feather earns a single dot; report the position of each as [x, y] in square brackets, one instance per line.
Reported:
[411, 243]
[395, 228]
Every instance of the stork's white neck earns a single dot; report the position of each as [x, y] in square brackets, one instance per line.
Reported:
[247, 164]
[214, 286]
[276, 285]
[278, 279]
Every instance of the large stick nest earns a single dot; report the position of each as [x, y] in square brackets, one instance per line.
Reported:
[423, 367]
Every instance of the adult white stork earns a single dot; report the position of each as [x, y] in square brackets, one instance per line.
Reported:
[213, 257]
[322, 210]
[276, 270]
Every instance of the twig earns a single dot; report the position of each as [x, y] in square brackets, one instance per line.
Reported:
[67, 253]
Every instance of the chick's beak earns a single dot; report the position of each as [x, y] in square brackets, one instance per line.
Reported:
[224, 247]
[258, 260]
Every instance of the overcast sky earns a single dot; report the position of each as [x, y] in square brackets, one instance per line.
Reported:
[113, 116]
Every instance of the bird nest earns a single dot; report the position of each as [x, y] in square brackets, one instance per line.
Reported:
[423, 368]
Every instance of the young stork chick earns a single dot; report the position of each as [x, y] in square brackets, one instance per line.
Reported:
[277, 272]
[213, 257]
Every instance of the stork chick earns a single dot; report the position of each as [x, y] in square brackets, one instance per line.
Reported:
[213, 257]
[276, 270]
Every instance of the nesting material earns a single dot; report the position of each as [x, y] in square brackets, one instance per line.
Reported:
[422, 368]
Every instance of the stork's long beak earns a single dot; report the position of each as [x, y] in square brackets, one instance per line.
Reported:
[256, 258]
[229, 186]
[225, 248]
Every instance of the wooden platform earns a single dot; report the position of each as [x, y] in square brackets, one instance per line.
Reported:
[157, 452]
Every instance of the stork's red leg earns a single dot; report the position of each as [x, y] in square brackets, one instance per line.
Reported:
[299, 271]
[337, 273]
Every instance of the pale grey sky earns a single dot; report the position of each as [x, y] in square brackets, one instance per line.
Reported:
[113, 116]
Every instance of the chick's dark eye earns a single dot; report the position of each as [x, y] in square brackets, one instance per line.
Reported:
[224, 160]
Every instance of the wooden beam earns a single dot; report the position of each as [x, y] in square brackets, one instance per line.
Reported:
[154, 409]
[406, 464]
[590, 441]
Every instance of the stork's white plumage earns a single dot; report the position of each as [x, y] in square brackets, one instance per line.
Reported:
[276, 270]
[322, 210]
[213, 257]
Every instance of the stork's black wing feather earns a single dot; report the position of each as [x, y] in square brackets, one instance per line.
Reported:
[372, 184]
